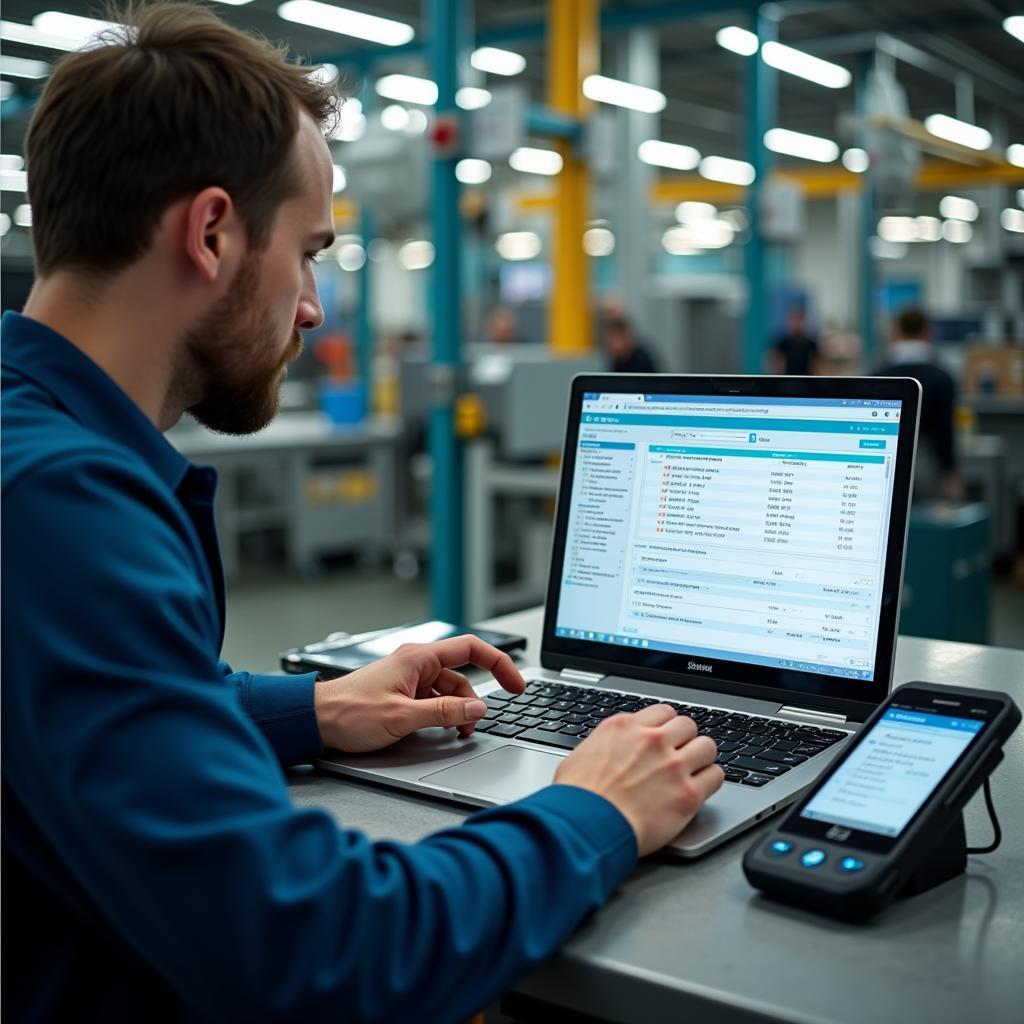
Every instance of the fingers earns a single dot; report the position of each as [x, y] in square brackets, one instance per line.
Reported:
[471, 650]
[446, 712]
[708, 780]
[656, 714]
[453, 683]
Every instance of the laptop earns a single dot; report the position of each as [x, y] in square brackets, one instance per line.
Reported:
[732, 546]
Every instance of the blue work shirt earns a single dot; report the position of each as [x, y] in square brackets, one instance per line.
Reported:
[155, 867]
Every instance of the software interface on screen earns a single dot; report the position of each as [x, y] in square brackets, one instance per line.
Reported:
[748, 529]
[892, 771]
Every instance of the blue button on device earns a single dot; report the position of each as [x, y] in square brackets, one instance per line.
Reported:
[779, 848]
[851, 864]
[812, 858]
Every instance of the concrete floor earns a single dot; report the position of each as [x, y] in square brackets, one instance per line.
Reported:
[270, 610]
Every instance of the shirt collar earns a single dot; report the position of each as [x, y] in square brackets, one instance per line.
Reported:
[910, 350]
[86, 392]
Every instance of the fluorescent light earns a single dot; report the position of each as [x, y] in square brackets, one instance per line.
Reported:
[732, 172]
[19, 67]
[417, 122]
[1015, 154]
[803, 65]
[535, 161]
[1020, 197]
[346, 22]
[928, 229]
[394, 117]
[469, 97]
[883, 249]
[23, 215]
[737, 39]
[71, 26]
[497, 62]
[407, 89]
[340, 181]
[234, 3]
[668, 154]
[695, 213]
[910, 229]
[623, 94]
[808, 147]
[5, 224]
[1015, 26]
[351, 257]
[6, 90]
[472, 172]
[685, 239]
[322, 74]
[1012, 220]
[417, 255]
[856, 160]
[952, 130]
[11, 162]
[351, 124]
[598, 242]
[13, 181]
[29, 35]
[958, 208]
[518, 245]
[957, 231]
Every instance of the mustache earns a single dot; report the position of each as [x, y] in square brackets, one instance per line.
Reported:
[293, 351]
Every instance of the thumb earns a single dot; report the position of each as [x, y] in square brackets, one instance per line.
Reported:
[445, 711]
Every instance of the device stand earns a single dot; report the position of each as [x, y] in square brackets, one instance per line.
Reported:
[947, 860]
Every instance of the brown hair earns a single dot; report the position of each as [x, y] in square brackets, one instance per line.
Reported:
[169, 103]
[912, 323]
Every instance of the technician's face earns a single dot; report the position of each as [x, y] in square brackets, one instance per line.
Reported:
[245, 343]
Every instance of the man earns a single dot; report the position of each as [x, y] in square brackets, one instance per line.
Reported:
[910, 355]
[796, 352]
[154, 866]
[625, 353]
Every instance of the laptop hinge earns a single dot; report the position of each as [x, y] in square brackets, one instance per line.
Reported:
[825, 716]
[574, 675]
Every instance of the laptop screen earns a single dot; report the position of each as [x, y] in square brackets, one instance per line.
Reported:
[744, 529]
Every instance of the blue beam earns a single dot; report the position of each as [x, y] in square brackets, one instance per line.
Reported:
[761, 93]
[446, 557]
[540, 121]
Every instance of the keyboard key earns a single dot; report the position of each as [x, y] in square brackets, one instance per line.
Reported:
[530, 721]
[781, 757]
[573, 730]
[749, 751]
[506, 731]
[485, 725]
[758, 765]
[724, 758]
[553, 716]
[562, 705]
[550, 726]
[731, 776]
[576, 719]
[552, 739]
[543, 702]
[727, 746]
[756, 780]
[785, 745]
[834, 734]
[808, 751]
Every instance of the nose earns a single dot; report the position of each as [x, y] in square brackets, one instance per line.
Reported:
[309, 314]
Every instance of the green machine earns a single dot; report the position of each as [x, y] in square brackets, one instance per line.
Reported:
[947, 578]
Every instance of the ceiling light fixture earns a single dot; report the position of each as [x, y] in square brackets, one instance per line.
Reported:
[407, 89]
[803, 65]
[807, 147]
[668, 154]
[1012, 220]
[20, 67]
[732, 172]
[1015, 154]
[469, 97]
[1015, 26]
[958, 208]
[497, 62]
[739, 40]
[535, 161]
[473, 172]
[347, 23]
[856, 160]
[952, 130]
[623, 94]
[518, 245]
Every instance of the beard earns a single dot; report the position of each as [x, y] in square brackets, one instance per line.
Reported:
[235, 353]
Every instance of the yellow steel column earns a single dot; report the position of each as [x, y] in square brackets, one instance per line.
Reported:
[572, 55]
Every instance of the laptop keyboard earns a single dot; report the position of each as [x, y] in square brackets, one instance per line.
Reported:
[752, 750]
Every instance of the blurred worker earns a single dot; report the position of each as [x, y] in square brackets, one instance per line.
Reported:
[155, 867]
[910, 354]
[502, 327]
[625, 352]
[795, 352]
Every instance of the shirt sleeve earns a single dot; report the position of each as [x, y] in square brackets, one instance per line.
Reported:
[130, 749]
[283, 709]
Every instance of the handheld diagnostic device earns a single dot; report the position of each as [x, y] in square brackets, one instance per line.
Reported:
[886, 819]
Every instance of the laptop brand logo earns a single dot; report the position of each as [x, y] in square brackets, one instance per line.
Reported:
[699, 666]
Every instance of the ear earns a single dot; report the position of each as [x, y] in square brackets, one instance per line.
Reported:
[215, 237]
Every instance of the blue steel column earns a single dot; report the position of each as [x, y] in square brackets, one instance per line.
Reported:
[364, 323]
[761, 108]
[446, 558]
[866, 276]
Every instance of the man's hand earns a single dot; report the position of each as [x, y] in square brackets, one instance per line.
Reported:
[411, 689]
[652, 766]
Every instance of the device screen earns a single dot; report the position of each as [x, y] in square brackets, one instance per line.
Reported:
[893, 770]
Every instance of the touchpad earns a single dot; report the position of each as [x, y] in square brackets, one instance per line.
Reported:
[503, 775]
